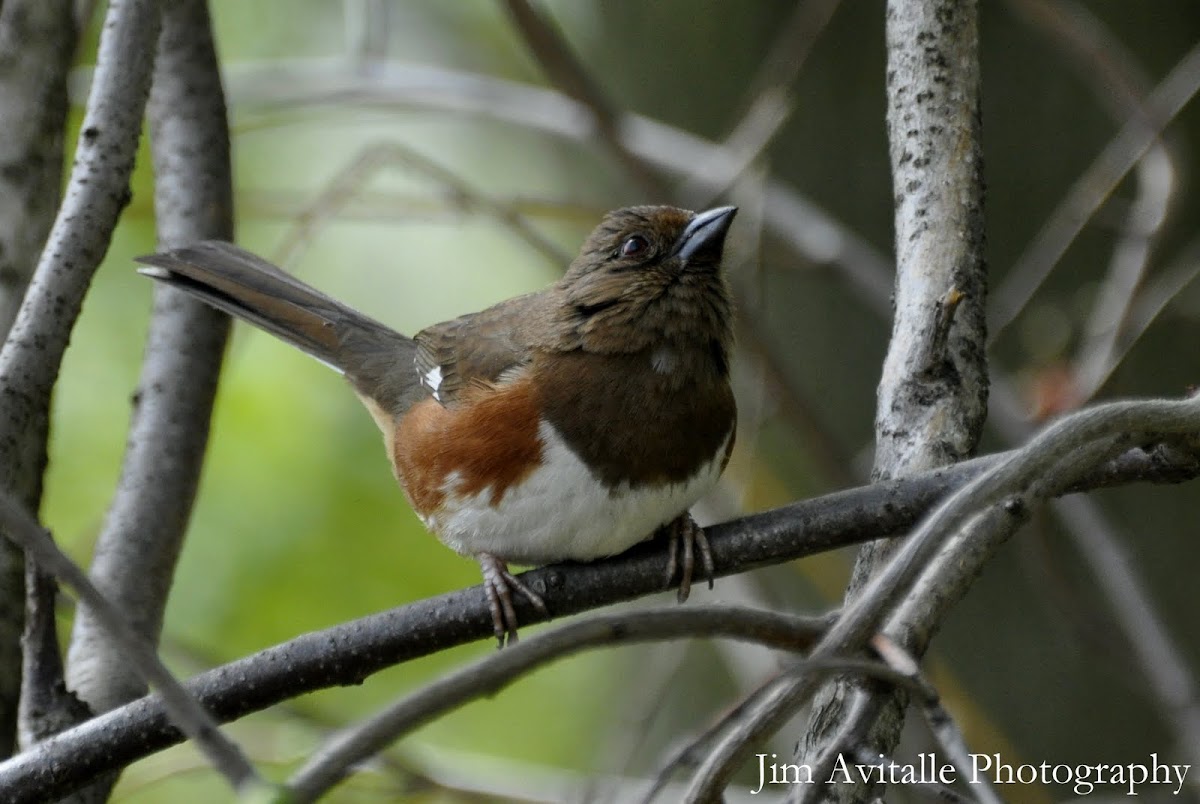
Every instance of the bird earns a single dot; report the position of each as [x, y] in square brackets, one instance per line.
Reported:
[567, 424]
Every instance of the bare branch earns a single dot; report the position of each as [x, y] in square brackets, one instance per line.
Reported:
[769, 99]
[789, 216]
[552, 51]
[142, 534]
[29, 361]
[1093, 188]
[938, 554]
[47, 706]
[348, 653]
[1144, 309]
[932, 404]
[37, 42]
[933, 391]
[492, 673]
[1173, 688]
[348, 183]
[184, 710]
[947, 733]
[1104, 62]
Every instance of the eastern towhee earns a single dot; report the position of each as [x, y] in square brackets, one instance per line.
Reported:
[567, 424]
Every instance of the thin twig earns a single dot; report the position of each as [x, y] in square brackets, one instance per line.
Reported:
[347, 183]
[1093, 188]
[947, 733]
[1049, 462]
[348, 653]
[914, 619]
[789, 216]
[769, 100]
[184, 709]
[1160, 661]
[492, 673]
[1106, 64]
[688, 756]
[552, 51]
[1096, 358]
[1150, 302]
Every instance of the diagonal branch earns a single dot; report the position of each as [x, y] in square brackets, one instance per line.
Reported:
[552, 51]
[183, 708]
[492, 673]
[348, 653]
[348, 182]
[947, 551]
[1093, 188]
[37, 43]
[1106, 64]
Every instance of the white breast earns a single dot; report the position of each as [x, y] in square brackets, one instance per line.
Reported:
[562, 512]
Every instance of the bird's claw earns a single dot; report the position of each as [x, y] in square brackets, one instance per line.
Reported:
[499, 585]
[686, 537]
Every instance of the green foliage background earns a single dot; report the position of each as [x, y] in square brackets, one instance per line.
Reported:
[299, 524]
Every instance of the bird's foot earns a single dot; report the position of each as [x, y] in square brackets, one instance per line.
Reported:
[499, 584]
[687, 538]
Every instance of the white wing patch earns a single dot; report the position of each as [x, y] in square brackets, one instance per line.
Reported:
[433, 381]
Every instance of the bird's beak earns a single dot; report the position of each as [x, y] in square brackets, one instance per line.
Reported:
[704, 238]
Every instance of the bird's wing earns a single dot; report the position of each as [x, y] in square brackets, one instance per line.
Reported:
[480, 349]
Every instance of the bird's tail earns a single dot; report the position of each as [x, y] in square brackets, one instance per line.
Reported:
[375, 359]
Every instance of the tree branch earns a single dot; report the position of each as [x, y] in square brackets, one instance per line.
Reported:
[933, 390]
[140, 539]
[182, 708]
[1095, 187]
[37, 43]
[946, 552]
[348, 653]
[493, 673]
[552, 51]
[29, 361]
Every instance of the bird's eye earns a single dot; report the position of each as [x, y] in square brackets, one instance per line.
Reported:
[634, 246]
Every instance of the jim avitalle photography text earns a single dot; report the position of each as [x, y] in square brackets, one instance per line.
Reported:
[1124, 778]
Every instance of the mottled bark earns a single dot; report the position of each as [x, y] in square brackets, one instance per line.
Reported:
[140, 540]
[932, 398]
[30, 359]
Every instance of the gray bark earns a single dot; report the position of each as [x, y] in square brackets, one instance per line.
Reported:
[29, 361]
[932, 398]
[143, 532]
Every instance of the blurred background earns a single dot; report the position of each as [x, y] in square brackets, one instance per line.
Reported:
[414, 160]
